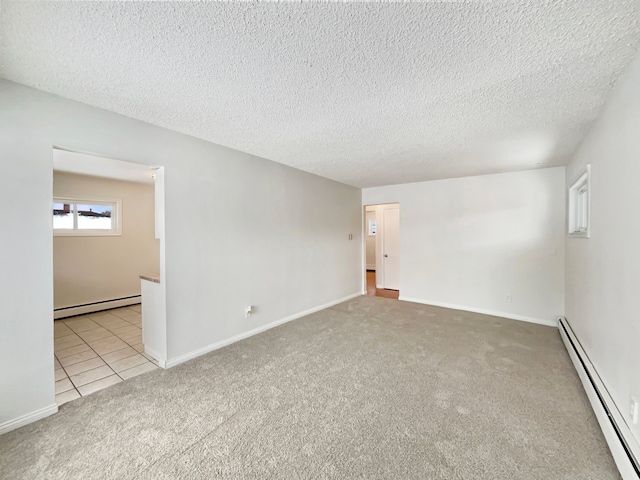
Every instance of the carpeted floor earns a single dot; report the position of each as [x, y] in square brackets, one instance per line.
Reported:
[372, 388]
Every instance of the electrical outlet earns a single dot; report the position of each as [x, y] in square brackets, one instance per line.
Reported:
[633, 410]
[508, 298]
[248, 311]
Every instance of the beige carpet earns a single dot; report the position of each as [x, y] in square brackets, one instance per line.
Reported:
[371, 388]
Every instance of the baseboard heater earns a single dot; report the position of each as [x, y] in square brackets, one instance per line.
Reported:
[624, 448]
[85, 308]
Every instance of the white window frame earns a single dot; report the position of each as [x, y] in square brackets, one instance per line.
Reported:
[116, 217]
[579, 217]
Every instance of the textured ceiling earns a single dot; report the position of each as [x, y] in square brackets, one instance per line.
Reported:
[364, 93]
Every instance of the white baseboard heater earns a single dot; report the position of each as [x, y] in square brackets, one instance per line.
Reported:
[85, 308]
[624, 447]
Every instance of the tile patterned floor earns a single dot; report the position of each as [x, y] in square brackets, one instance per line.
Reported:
[97, 350]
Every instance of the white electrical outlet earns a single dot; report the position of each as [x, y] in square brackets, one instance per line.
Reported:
[248, 311]
[633, 411]
[508, 299]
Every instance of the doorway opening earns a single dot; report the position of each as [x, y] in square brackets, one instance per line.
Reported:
[108, 229]
[382, 250]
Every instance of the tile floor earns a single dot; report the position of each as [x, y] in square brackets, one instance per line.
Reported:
[97, 350]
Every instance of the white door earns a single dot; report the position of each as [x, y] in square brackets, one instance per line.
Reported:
[391, 247]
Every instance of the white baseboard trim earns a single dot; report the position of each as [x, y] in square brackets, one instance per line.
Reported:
[511, 316]
[28, 418]
[96, 307]
[371, 267]
[228, 341]
[156, 355]
[621, 441]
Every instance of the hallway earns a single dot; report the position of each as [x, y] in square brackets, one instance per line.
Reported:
[372, 291]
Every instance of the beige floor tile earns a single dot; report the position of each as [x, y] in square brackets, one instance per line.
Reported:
[137, 323]
[91, 375]
[66, 342]
[139, 347]
[132, 333]
[121, 331]
[60, 374]
[139, 370]
[134, 320]
[97, 334]
[85, 366]
[135, 308]
[56, 362]
[83, 325]
[108, 320]
[67, 396]
[77, 358]
[116, 324]
[129, 362]
[67, 352]
[119, 355]
[149, 357]
[134, 339]
[107, 345]
[100, 314]
[105, 341]
[63, 385]
[126, 313]
[61, 330]
[99, 385]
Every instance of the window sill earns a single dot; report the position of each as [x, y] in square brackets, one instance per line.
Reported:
[580, 235]
[86, 233]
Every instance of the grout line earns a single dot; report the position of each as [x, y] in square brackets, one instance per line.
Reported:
[87, 384]
[99, 366]
[93, 380]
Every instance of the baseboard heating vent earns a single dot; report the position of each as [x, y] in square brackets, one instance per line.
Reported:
[71, 311]
[623, 446]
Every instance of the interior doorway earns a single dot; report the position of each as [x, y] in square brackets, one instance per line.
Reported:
[382, 250]
[108, 241]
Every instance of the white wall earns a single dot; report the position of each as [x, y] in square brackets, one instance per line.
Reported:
[91, 269]
[603, 272]
[469, 242]
[239, 230]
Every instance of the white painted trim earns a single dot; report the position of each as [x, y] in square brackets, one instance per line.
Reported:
[228, 341]
[511, 316]
[156, 356]
[98, 307]
[28, 418]
[371, 267]
[615, 445]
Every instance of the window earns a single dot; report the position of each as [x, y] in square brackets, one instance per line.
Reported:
[579, 201]
[90, 217]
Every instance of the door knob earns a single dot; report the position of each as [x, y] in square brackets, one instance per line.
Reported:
[386, 255]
